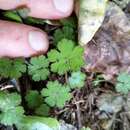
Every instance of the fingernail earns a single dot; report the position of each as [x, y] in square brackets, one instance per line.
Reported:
[62, 5]
[36, 40]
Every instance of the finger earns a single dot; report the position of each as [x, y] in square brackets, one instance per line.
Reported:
[47, 9]
[17, 40]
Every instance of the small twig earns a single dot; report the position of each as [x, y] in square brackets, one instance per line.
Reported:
[78, 114]
[64, 110]
[80, 101]
[7, 87]
[112, 121]
[66, 77]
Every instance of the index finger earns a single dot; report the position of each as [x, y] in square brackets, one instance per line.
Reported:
[47, 9]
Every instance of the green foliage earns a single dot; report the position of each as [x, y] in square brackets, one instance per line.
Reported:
[77, 79]
[35, 102]
[30, 20]
[69, 22]
[11, 112]
[12, 68]
[12, 15]
[38, 123]
[123, 83]
[12, 116]
[67, 31]
[20, 14]
[34, 99]
[56, 94]
[9, 100]
[67, 57]
[42, 110]
[38, 68]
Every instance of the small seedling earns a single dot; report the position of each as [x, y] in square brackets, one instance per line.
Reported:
[123, 83]
[12, 68]
[11, 111]
[67, 57]
[77, 80]
[67, 31]
[38, 68]
[56, 94]
[42, 110]
[33, 99]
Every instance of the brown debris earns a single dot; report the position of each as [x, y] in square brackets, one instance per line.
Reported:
[109, 51]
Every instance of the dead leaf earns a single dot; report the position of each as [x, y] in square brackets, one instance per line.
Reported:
[109, 51]
[91, 15]
[110, 103]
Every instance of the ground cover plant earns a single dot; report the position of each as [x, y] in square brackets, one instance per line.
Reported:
[56, 91]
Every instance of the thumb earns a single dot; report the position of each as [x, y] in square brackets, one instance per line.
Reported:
[17, 40]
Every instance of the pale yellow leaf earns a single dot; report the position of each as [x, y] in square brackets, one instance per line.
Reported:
[91, 16]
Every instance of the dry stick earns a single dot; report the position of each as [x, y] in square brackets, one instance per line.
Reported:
[7, 87]
[124, 117]
[66, 77]
[112, 121]
[78, 114]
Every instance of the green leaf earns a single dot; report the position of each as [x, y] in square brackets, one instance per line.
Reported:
[38, 68]
[66, 58]
[43, 110]
[123, 83]
[77, 79]
[9, 101]
[69, 22]
[11, 112]
[65, 32]
[13, 16]
[54, 97]
[38, 123]
[124, 78]
[12, 68]
[18, 67]
[12, 116]
[30, 20]
[34, 99]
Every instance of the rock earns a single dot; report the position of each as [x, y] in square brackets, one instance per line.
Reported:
[65, 126]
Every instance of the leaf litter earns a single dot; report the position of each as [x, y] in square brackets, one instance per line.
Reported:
[109, 51]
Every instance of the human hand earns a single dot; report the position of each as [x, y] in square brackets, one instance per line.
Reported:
[17, 40]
